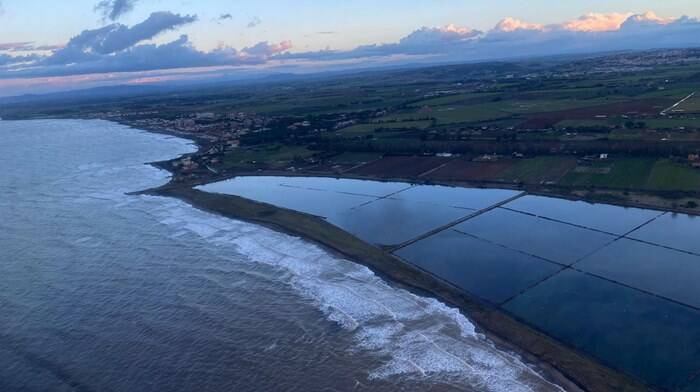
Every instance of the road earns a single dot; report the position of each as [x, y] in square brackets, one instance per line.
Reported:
[675, 105]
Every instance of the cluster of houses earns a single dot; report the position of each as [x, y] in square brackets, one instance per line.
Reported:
[694, 160]
[236, 122]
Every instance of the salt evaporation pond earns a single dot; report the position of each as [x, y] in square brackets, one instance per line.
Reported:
[619, 284]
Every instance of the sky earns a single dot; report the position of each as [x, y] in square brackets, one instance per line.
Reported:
[48, 45]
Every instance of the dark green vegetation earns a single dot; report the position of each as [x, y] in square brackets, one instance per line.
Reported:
[602, 122]
[267, 155]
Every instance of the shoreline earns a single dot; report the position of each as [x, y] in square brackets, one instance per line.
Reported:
[556, 362]
[594, 196]
[652, 200]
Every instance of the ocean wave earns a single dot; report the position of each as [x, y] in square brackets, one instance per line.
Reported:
[415, 336]
[410, 336]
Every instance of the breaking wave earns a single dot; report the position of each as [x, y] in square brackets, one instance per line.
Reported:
[417, 337]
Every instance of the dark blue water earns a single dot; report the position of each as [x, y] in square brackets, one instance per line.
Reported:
[604, 217]
[101, 291]
[382, 213]
[646, 336]
[620, 284]
[554, 241]
[489, 271]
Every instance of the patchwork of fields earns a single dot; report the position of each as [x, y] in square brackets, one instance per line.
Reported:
[614, 173]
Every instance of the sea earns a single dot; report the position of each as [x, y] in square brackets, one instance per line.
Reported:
[105, 291]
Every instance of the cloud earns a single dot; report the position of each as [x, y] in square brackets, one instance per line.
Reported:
[119, 48]
[597, 22]
[48, 47]
[26, 47]
[649, 18]
[7, 60]
[225, 17]
[116, 48]
[114, 9]
[92, 44]
[436, 35]
[266, 49]
[593, 32]
[146, 57]
[509, 25]
[176, 54]
[16, 46]
[254, 22]
[425, 40]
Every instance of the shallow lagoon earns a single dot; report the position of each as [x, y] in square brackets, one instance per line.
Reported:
[382, 213]
[603, 217]
[646, 336]
[554, 241]
[677, 231]
[392, 221]
[474, 199]
[624, 300]
[654, 269]
[488, 271]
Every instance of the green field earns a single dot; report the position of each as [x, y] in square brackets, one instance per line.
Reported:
[670, 176]
[588, 123]
[453, 100]
[628, 173]
[539, 170]
[356, 157]
[671, 123]
[365, 129]
[469, 113]
[536, 108]
[273, 153]
[692, 105]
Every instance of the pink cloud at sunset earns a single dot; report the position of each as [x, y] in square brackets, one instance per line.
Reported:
[509, 25]
[106, 54]
[598, 22]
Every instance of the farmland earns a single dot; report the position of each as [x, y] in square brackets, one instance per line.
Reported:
[625, 122]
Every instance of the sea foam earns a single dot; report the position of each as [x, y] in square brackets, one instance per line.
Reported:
[415, 336]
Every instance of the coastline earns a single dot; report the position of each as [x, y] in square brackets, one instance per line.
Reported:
[560, 364]
[660, 201]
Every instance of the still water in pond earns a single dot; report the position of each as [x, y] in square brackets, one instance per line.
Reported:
[383, 213]
[617, 283]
